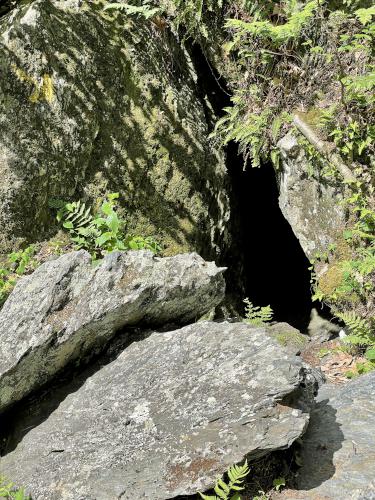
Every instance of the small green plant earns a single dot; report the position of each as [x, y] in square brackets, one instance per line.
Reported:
[23, 259]
[7, 282]
[360, 369]
[15, 265]
[101, 232]
[279, 483]
[323, 352]
[9, 491]
[229, 489]
[256, 315]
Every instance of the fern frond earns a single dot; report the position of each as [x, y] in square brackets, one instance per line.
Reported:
[236, 476]
[359, 328]
[279, 34]
[257, 316]
[146, 11]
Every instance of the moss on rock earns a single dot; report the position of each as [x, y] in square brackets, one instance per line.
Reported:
[114, 108]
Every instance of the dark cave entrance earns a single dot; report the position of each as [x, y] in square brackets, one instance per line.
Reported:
[266, 262]
[274, 266]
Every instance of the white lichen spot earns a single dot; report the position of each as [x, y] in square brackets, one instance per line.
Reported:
[31, 17]
[141, 413]
[253, 384]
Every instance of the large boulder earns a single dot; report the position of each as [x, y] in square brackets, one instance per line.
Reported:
[93, 102]
[338, 452]
[68, 309]
[308, 201]
[164, 418]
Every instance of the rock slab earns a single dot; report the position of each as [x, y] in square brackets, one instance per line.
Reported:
[68, 309]
[165, 418]
[308, 201]
[338, 453]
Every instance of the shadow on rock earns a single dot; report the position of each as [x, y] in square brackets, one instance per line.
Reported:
[29, 413]
[322, 439]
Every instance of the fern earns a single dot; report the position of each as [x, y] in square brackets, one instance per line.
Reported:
[228, 490]
[145, 9]
[247, 129]
[257, 316]
[74, 216]
[365, 15]
[101, 232]
[279, 34]
[360, 330]
[191, 16]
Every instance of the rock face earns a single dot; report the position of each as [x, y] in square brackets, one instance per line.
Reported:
[68, 309]
[165, 418]
[309, 202]
[338, 453]
[92, 104]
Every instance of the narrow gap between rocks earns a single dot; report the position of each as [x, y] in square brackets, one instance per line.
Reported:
[266, 262]
[275, 268]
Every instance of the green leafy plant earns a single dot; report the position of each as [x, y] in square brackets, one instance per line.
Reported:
[23, 259]
[10, 492]
[15, 265]
[279, 483]
[360, 369]
[228, 489]
[256, 315]
[101, 232]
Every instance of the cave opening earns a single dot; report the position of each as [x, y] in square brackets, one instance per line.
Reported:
[274, 267]
[265, 262]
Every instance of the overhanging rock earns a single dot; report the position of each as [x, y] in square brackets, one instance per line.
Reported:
[68, 309]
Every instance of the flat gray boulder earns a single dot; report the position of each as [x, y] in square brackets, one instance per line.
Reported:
[68, 309]
[338, 451]
[165, 418]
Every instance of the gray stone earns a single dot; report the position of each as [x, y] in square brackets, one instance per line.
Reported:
[338, 451]
[320, 329]
[93, 102]
[367, 493]
[288, 336]
[167, 416]
[308, 201]
[68, 309]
